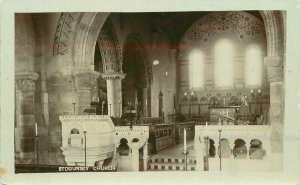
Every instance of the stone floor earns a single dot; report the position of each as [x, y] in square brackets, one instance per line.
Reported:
[172, 159]
[176, 151]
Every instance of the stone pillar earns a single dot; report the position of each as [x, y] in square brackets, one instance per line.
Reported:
[275, 77]
[85, 80]
[248, 149]
[25, 120]
[114, 93]
[200, 153]
[145, 101]
[135, 156]
[231, 145]
[145, 153]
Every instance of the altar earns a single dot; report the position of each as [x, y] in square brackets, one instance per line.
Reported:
[224, 111]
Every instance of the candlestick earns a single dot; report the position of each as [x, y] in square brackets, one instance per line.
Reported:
[146, 102]
[119, 108]
[36, 131]
[98, 99]
[102, 107]
[206, 128]
[184, 141]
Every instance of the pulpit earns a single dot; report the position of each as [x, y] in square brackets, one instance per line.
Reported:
[87, 139]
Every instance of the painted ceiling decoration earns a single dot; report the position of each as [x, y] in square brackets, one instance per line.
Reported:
[65, 33]
[243, 24]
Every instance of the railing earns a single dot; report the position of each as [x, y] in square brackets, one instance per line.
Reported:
[150, 120]
[233, 132]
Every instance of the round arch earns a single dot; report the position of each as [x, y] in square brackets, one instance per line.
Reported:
[136, 85]
[90, 25]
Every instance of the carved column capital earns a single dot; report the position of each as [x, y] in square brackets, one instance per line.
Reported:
[275, 68]
[25, 81]
[110, 76]
[85, 79]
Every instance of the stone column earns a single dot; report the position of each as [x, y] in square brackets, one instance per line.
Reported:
[248, 149]
[231, 145]
[145, 153]
[200, 153]
[275, 77]
[145, 157]
[85, 80]
[135, 156]
[114, 93]
[25, 120]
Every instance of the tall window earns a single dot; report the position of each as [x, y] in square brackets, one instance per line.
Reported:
[253, 66]
[196, 69]
[224, 57]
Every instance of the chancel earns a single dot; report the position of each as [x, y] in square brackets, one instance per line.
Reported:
[159, 91]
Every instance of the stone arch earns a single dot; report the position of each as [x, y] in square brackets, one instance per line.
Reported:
[137, 42]
[74, 131]
[110, 48]
[212, 148]
[225, 148]
[256, 149]
[123, 148]
[214, 101]
[87, 31]
[239, 149]
[137, 83]
[65, 33]
[135, 140]
[275, 33]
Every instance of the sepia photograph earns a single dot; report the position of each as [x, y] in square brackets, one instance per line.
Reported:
[164, 94]
[150, 91]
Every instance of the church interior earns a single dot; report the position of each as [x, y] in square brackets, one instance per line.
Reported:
[150, 91]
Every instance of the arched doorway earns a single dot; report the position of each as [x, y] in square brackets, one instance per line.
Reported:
[239, 149]
[225, 148]
[135, 87]
[123, 148]
[212, 148]
[256, 150]
[100, 92]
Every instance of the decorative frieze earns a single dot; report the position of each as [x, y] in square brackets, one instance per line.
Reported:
[111, 76]
[25, 81]
[110, 49]
[242, 24]
[65, 33]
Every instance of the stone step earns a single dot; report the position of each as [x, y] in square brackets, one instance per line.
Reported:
[171, 167]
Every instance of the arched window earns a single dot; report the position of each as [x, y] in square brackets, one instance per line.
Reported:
[196, 69]
[74, 131]
[224, 59]
[253, 66]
